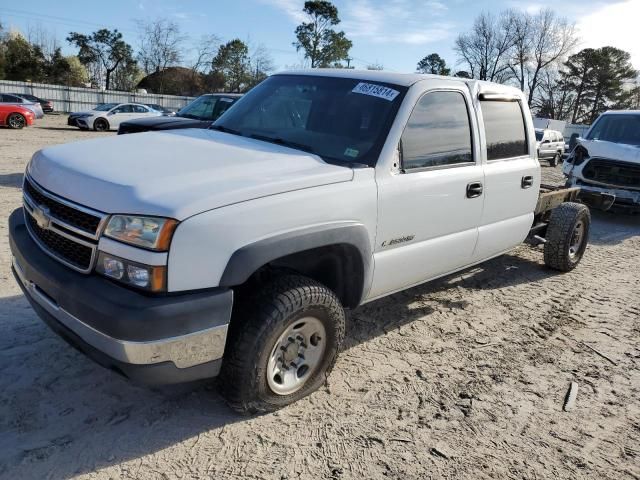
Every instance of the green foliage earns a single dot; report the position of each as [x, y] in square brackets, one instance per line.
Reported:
[22, 61]
[102, 52]
[322, 45]
[433, 64]
[596, 79]
[233, 65]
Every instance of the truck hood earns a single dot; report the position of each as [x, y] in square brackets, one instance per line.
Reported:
[176, 174]
[611, 151]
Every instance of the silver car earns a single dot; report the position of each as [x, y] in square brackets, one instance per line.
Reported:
[8, 99]
[550, 144]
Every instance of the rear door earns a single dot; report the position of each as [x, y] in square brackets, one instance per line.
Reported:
[428, 212]
[512, 175]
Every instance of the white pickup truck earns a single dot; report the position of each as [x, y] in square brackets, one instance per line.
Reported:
[176, 256]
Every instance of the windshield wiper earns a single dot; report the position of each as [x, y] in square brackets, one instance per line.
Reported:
[283, 142]
[220, 128]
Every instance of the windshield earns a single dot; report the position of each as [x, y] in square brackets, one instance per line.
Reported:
[106, 106]
[340, 119]
[617, 129]
[539, 136]
[206, 107]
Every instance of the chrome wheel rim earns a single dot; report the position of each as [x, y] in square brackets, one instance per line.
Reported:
[576, 240]
[296, 355]
[16, 121]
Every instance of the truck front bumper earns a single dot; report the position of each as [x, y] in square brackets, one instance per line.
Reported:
[150, 339]
[607, 197]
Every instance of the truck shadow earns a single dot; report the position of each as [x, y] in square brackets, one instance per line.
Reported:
[507, 270]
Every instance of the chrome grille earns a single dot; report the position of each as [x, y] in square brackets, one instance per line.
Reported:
[66, 231]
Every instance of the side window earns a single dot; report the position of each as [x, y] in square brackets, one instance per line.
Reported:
[438, 132]
[139, 109]
[504, 129]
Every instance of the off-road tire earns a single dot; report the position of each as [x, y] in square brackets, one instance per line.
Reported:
[555, 160]
[16, 121]
[258, 322]
[101, 125]
[560, 235]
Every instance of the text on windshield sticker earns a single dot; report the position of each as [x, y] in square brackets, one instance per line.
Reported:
[376, 91]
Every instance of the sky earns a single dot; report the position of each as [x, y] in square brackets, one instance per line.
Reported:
[393, 33]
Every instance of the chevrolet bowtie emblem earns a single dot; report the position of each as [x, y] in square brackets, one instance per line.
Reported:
[41, 216]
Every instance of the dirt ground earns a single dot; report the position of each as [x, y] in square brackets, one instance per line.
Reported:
[463, 378]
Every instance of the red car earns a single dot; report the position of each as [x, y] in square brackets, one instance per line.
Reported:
[14, 116]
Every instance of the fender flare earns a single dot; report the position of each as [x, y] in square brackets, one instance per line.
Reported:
[249, 258]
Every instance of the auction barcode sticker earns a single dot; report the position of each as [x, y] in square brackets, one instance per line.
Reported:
[376, 91]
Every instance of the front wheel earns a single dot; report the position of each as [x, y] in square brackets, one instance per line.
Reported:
[16, 121]
[283, 347]
[100, 125]
[567, 236]
[555, 160]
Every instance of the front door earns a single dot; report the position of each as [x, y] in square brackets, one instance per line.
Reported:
[428, 213]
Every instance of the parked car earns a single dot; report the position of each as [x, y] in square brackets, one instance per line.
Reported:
[550, 145]
[8, 99]
[15, 116]
[606, 163]
[73, 116]
[160, 108]
[47, 105]
[176, 256]
[108, 116]
[200, 113]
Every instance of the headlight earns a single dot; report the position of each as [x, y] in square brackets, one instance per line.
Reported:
[146, 277]
[148, 232]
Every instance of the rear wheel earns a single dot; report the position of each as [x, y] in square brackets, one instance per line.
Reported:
[567, 236]
[100, 125]
[282, 346]
[17, 121]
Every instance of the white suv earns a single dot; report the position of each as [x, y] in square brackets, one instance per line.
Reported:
[550, 145]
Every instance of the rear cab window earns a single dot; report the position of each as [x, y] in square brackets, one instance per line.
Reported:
[438, 133]
[505, 129]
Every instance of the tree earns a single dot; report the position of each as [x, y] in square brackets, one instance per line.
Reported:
[591, 82]
[322, 45]
[22, 61]
[552, 39]
[161, 44]
[233, 65]
[433, 64]
[77, 75]
[260, 65]
[102, 52]
[2, 51]
[485, 49]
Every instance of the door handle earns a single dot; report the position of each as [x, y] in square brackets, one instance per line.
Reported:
[474, 189]
[527, 181]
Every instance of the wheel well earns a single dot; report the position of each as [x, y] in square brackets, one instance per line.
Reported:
[339, 267]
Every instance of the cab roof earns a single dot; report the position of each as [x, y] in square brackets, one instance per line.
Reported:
[403, 79]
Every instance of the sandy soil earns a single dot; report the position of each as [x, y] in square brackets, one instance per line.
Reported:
[463, 378]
